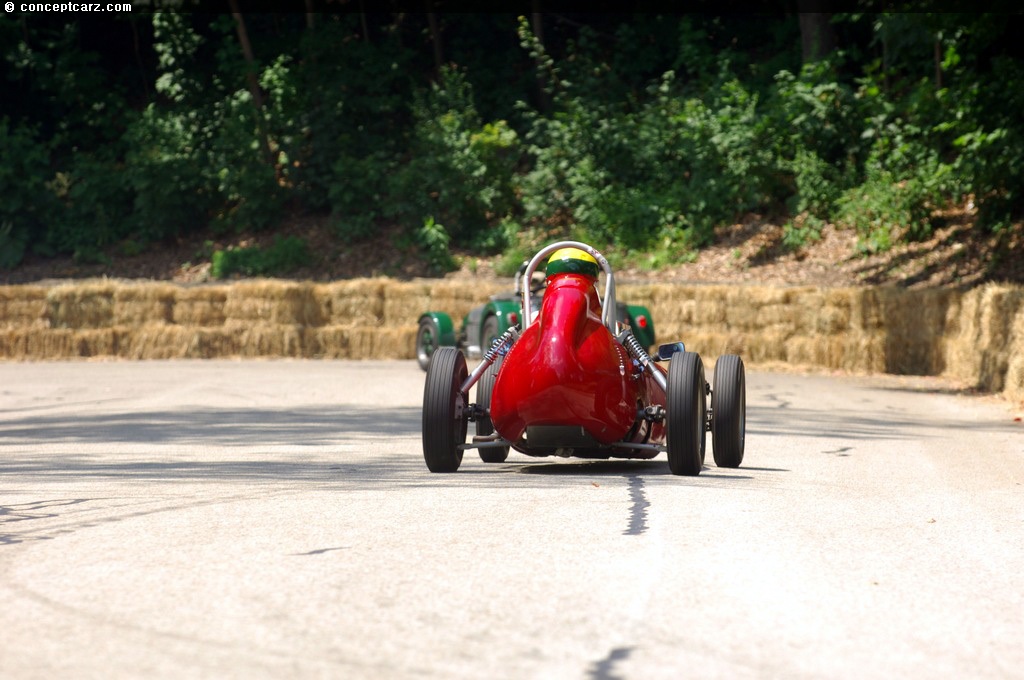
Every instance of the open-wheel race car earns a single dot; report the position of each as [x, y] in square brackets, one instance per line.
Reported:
[572, 380]
[486, 323]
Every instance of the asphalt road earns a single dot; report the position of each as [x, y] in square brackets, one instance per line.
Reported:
[275, 519]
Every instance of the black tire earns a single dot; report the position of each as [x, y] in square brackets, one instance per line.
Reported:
[428, 337]
[484, 426]
[488, 333]
[729, 411]
[444, 424]
[687, 402]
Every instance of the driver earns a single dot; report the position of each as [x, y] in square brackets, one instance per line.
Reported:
[572, 261]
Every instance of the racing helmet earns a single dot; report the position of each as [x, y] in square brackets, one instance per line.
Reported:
[572, 261]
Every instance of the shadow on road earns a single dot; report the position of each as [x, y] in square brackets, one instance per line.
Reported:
[852, 424]
[249, 427]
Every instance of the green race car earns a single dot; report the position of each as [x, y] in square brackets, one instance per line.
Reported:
[484, 324]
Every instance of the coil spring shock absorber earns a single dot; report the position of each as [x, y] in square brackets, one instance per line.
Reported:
[638, 352]
[498, 348]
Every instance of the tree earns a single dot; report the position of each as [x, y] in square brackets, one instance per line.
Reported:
[817, 35]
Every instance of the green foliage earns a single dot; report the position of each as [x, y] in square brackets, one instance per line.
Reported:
[347, 125]
[285, 255]
[673, 169]
[989, 144]
[358, 192]
[27, 203]
[816, 136]
[461, 168]
[95, 207]
[636, 132]
[248, 192]
[166, 173]
[801, 230]
[434, 240]
[12, 246]
[886, 209]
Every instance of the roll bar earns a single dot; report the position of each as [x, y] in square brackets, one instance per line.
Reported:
[608, 311]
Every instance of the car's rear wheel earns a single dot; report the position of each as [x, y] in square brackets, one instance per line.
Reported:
[729, 411]
[687, 402]
[444, 418]
[428, 338]
[484, 426]
[488, 333]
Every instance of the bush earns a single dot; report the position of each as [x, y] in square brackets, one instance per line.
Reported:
[434, 240]
[460, 168]
[95, 207]
[27, 204]
[358, 192]
[671, 170]
[886, 209]
[166, 171]
[816, 132]
[285, 255]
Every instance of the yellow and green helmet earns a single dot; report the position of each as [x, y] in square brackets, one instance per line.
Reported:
[572, 261]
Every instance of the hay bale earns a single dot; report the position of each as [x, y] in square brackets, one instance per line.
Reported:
[976, 336]
[403, 302]
[200, 306]
[275, 302]
[328, 342]
[154, 341]
[980, 350]
[58, 343]
[39, 343]
[264, 339]
[777, 316]
[81, 305]
[143, 303]
[914, 327]
[16, 343]
[23, 307]
[834, 314]
[360, 342]
[352, 303]
[962, 359]
[1013, 387]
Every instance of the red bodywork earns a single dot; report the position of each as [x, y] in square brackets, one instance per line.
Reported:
[570, 387]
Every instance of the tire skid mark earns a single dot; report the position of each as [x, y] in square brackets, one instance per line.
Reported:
[639, 507]
[71, 526]
[605, 668]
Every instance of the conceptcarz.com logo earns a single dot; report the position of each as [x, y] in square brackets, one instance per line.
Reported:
[9, 7]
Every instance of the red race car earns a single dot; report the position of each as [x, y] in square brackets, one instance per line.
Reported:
[573, 381]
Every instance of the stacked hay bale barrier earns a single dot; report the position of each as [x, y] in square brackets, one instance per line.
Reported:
[841, 328]
[976, 336]
[984, 342]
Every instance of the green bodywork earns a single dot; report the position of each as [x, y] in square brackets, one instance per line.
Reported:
[644, 335]
[445, 327]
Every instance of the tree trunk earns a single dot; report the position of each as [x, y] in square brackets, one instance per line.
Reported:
[537, 23]
[254, 83]
[817, 35]
[435, 38]
[250, 60]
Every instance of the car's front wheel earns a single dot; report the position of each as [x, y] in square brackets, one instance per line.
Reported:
[444, 417]
[687, 400]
